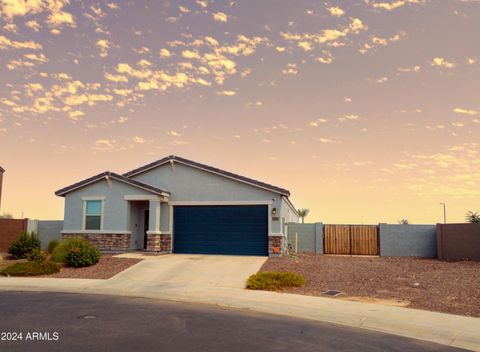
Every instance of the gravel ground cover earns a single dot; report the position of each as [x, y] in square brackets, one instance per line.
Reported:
[449, 287]
[107, 267]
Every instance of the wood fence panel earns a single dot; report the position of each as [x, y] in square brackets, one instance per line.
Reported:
[364, 239]
[337, 239]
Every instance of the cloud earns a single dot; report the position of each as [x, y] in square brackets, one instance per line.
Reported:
[328, 36]
[34, 25]
[465, 111]
[220, 17]
[389, 6]
[291, 69]
[76, 115]
[415, 68]
[164, 53]
[104, 144]
[228, 93]
[104, 46]
[378, 41]
[317, 122]
[6, 43]
[441, 62]
[173, 134]
[336, 11]
[12, 8]
[116, 78]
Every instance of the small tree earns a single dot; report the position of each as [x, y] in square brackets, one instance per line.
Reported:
[403, 222]
[303, 213]
[472, 217]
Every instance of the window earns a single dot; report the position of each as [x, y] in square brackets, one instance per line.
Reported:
[93, 215]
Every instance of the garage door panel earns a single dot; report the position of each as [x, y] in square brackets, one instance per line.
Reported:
[221, 229]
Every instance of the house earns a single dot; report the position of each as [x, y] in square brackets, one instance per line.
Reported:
[180, 206]
[2, 170]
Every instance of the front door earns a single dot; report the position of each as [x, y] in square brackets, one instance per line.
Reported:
[145, 229]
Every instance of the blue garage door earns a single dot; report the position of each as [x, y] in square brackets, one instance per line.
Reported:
[241, 230]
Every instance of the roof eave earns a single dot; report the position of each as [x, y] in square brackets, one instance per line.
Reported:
[207, 168]
[105, 175]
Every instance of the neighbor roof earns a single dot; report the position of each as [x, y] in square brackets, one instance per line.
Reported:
[112, 175]
[208, 169]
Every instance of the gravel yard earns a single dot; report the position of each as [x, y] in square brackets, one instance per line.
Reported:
[106, 268]
[449, 287]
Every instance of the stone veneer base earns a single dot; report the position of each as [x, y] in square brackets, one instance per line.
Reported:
[105, 242]
[159, 243]
[276, 242]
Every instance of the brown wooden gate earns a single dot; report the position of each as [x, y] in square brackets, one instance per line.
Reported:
[351, 239]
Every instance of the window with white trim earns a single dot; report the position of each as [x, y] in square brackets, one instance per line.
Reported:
[93, 215]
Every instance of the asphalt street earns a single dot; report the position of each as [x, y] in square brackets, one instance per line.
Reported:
[31, 321]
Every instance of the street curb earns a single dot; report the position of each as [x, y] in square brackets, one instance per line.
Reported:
[445, 329]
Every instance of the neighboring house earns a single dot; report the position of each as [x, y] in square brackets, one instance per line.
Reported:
[2, 170]
[180, 206]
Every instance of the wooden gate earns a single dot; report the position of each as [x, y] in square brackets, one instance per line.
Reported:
[351, 239]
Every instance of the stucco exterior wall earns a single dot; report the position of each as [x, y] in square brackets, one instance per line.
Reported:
[186, 183]
[116, 208]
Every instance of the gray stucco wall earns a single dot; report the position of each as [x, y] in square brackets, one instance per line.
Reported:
[49, 230]
[408, 240]
[307, 237]
[116, 216]
[190, 184]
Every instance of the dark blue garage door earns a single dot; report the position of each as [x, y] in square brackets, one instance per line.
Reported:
[241, 230]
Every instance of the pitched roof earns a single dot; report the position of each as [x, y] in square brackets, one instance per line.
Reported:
[106, 175]
[207, 168]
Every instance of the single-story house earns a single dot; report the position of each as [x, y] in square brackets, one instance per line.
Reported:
[180, 206]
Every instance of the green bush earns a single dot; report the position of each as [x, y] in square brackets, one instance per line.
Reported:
[274, 280]
[24, 244]
[37, 256]
[82, 254]
[52, 245]
[31, 269]
[59, 253]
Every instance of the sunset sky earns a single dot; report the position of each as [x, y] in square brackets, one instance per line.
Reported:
[368, 111]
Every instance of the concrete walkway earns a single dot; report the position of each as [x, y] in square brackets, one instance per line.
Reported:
[452, 330]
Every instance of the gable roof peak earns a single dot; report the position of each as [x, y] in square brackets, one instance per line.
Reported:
[214, 170]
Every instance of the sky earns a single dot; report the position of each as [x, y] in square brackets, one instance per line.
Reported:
[368, 111]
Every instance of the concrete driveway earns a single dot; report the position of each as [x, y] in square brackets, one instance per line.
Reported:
[189, 271]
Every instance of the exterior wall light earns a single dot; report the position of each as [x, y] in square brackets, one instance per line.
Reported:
[274, 211]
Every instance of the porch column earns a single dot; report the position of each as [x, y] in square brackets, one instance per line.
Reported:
[153, 233]
[154, 217]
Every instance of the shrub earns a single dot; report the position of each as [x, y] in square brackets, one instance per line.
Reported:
[31, 269]
[23, 245]
[274, 280]
[52, 245]
[37, 256]
[82, 254]
[59, 253]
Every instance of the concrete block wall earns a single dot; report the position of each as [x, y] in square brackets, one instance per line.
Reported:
[395, 240]
[408, 240]
[49, 230]
[306, 237]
